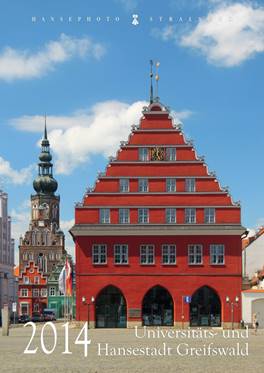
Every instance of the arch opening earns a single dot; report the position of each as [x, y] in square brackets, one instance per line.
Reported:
[157, 307]
[205, 308]
[110, 308]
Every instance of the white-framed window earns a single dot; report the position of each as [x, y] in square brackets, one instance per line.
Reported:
[170, 215]
[36, 307]
[26, 280]
[24, 292]
[147, 255]
[52, 291]
[24, 307]
[43, 292]
[143, 185]
[30, 256]
[36, 279]
[143, 154]
[190, 184]
[190, 215]
[121, 254]
[51, 256]
[124, 185]
[143, 215]
[217, 254]
[209, 215]
[25, 256]
[35, 293]
[58, 256]
[195, 254]
[99, 254]
[170, 185]
[171, 154]
[168, 254]
[104, 216]
[124, 216]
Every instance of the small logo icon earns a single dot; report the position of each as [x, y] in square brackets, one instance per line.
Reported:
[135, 20]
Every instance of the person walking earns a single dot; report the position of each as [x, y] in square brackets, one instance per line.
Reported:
[255, 323]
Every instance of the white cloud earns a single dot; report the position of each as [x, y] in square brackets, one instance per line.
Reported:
[10, 175]
[69, 244]
[25, 64]
[228, 35]
[128, 5]
[98, 130]
[20, 223]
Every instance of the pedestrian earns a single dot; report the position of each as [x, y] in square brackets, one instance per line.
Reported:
[255, 323]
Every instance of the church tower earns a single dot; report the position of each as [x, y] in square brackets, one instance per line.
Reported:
[43, 243]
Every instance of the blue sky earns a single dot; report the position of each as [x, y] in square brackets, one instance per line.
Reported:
[91, 78]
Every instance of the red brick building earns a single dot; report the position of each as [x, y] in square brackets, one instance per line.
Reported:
[158, 241]
[32, 295]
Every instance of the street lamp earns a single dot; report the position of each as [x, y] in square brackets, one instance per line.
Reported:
[232, 304]
[88, 307]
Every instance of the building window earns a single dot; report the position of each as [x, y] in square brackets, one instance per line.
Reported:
[190, 215]
[30, 256]
[25, 256]
[171, 185]
[195, 254]
[35, 293]
[170, 216]
[58, 256]
[121, 254]
[143, 154]
[26, 280]
[143, 185]
[36, 280]
[51, 256]
[143, 216]
[104, 216]
[209, 215]
[171, 154]
[123, 216]
[99, 254]
[217, 254]
[190, 184]
[43, 292]
[147, 254]
[36, 307]
[124, 185]
[24, 292]
[52, 291]
[168, 254]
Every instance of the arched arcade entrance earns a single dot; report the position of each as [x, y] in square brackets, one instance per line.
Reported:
[157, 307]
[110, 309]
[205, 308]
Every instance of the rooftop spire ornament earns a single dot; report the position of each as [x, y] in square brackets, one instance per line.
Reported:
[151, 86]
[157, 80]
[45, 128]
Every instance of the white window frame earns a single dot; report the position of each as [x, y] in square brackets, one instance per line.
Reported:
[190, 184]
[124, 216]
[209, 215]
[52, 291]
[35, 293]
[195, 250]
[26, 280]
[121, 254]
[169, 252]
[214, 253]
[143, 185]
[171, 154]
[36, 280]
[170, 184]
[147, 252]
[169, 216]
[104, 215]
[43, 292]
[124, 185]
[101, 252]
[143, 215]
[24, 292]
[190, 215]
[143, 154]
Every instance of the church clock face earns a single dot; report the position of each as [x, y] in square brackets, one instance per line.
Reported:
[157, 154]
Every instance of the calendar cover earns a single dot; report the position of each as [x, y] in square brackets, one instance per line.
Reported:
[131, 204]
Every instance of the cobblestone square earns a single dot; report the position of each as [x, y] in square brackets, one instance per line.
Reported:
[108, 347]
